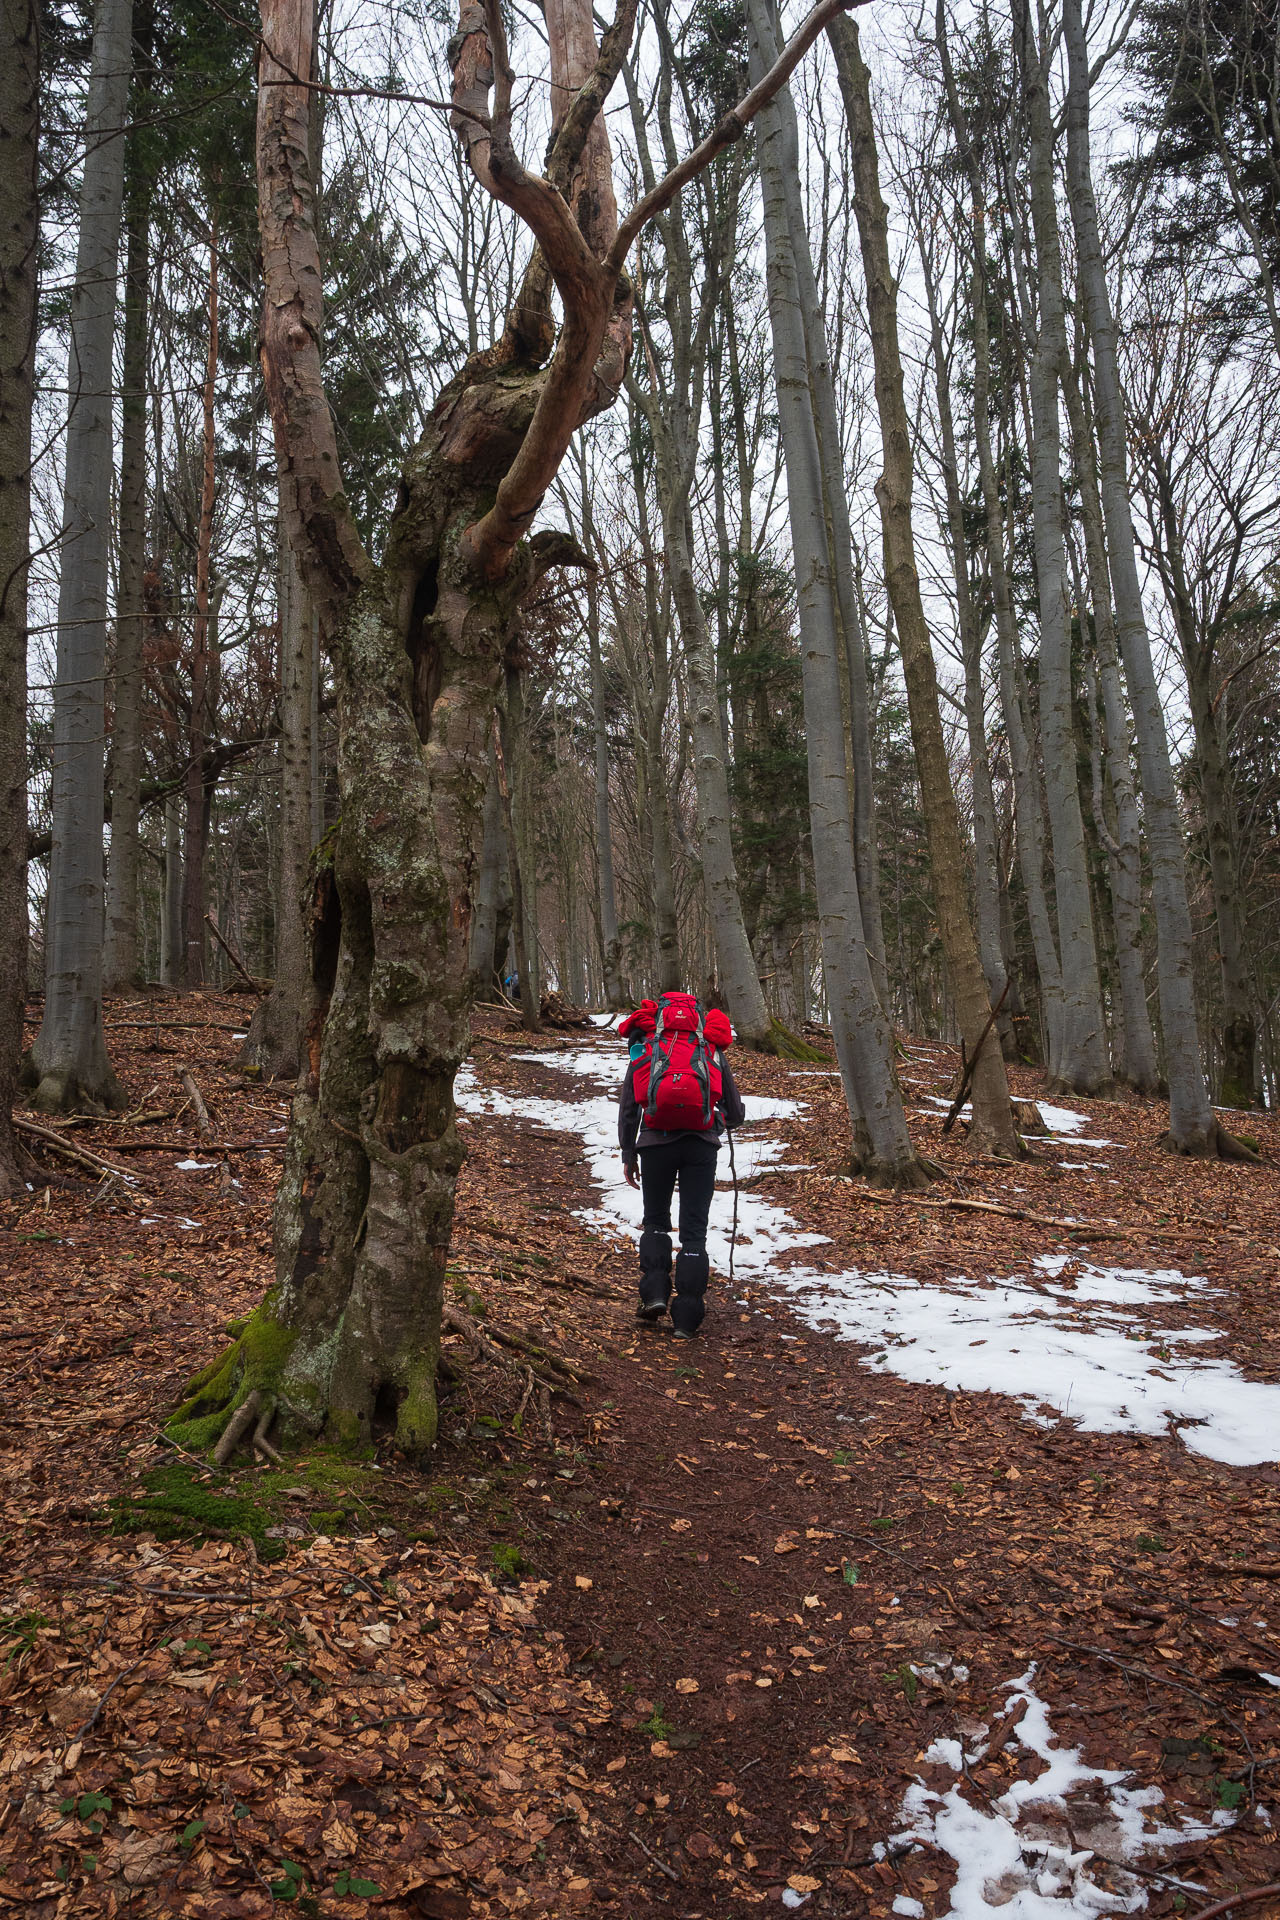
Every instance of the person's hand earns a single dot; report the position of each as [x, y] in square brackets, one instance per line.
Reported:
[631, 1171]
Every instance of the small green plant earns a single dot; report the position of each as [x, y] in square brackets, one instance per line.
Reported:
[191, 1833]
[842, 1457]
[509, 1561]
[657, 1726]
[907, 1680]
[882, 1523]
[1227, 1793]
[849, 1574]
[292, 1882]
[20, 1631]
[86, 1807]
[1151, 1543]
[957, 1487]
[688, 1373]
[349, 1885]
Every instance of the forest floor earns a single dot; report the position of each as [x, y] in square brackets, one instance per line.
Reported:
[936, 1577]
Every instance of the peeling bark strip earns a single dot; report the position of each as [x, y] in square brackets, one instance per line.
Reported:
[351, 1330]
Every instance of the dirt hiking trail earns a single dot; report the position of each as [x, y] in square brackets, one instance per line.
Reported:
[937, 1577]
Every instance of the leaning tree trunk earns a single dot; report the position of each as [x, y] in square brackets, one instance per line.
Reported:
[70, 1054]
[1083, 1065]
[992, 1130]
[19, 256]
[1192, 1127]
[349, 1334]
[859, 1026]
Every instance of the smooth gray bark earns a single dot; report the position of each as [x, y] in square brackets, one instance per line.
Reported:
[1135, 1048]
[1082, 1065]
[19, 256]
[275, 1032]
[859, 1025]
[986, 865]
[1192, 1127]
[1029, 825]
[610, 943]
[121, 962]
[70, 1052]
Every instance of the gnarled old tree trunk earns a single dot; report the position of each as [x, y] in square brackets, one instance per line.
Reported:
[350, 1331]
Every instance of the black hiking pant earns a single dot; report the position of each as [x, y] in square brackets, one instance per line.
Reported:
[689, 1162]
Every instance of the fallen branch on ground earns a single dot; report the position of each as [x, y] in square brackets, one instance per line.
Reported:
[82, 1156]
[204, 1125]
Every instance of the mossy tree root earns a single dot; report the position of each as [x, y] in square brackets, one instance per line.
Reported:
[238, 1392]
[780, 1042]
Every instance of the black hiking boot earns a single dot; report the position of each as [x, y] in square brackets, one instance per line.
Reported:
[693, 1270]
[655, 1276]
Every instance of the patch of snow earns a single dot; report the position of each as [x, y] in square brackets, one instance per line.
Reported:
[186, 1225]
[194, 1166]
[1056, 1342]
[903, 1903]
[1061, 1119]
[1026, 1856]
[945, 1753]
[790, 1898]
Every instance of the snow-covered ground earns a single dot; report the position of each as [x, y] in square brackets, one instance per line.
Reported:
[1067, 1341]
[1039, 1851]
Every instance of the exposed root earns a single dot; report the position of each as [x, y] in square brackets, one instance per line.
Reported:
[1218, 1144]
[237, 1427]
[533, 1359]
[904, 1175]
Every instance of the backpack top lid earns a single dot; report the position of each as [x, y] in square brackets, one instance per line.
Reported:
[680, 1011]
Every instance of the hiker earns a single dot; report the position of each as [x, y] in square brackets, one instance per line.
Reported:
[678, 1099]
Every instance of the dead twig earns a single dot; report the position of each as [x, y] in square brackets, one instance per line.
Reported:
[649, 1854]
[1245, 1569]
[94, 1717]
[966, 1077]
[1234, 1900]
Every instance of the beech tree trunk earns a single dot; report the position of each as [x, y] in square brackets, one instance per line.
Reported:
[1135, 1057]
[881, 1143]
[275, 1032]
[993, 1130]
[70, 1054]
[19, 255]
[492, 885]
[1192, 1127]
[121, 967]
[1082, 1065]
[349, 1334]
[606, 891]
[1029, 827]
[200, 720]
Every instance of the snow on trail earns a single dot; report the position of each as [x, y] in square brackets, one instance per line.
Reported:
[1033, 1854]
[1064, 1345]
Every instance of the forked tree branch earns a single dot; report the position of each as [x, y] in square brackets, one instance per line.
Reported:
[575, 385]
[731, 128]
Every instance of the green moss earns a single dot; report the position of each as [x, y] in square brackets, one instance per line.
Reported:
[180, 1505]
[417, 1416]
[509, 1561]
[255, 1360]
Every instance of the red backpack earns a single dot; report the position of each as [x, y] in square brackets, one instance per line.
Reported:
[677, 1078]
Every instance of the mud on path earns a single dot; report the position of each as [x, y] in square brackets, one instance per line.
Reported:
[752, 1623]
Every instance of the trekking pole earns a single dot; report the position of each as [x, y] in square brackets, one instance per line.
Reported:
[733, 1171]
